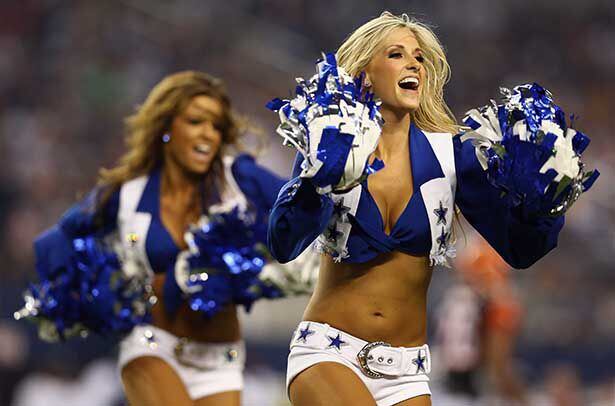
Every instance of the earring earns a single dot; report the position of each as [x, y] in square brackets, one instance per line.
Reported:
[368, 83]
[166, 138]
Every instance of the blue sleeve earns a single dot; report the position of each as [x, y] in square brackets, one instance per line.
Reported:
[258, 184]
[298, 217]
[53, 247]
[520, 237]
[52, 250]
[89, 216]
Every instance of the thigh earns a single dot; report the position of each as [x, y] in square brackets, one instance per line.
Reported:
[150, 381]
[423, 400]
[230, 398]
[329, 383]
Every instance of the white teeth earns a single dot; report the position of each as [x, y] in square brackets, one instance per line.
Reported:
[409, 80]
[204, 148]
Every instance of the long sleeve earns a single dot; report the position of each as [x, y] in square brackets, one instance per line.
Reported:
[53, 247]
[89, 217]
[298, 217]
[80, 288]
[520, 237]
[258, 184]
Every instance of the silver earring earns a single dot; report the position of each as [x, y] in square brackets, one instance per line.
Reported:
[166, 138]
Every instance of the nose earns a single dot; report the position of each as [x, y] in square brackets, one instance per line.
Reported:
[208, 129]
[413, 65]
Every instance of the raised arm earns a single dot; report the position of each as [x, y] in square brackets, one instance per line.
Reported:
[54, 246]
[519, 236]
[257, 183]
[298, 217]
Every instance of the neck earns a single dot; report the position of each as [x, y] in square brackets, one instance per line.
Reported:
[394, 132]
[178, 182]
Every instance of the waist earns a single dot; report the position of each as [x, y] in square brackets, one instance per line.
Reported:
[382, 300]
[221, 327]
[147, 340]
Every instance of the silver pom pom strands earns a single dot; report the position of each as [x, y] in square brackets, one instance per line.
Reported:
[89, 292]
[528, 150]
[334, 123]
[223, 265]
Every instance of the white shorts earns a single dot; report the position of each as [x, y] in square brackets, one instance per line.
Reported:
[204, 368]
[395, 373]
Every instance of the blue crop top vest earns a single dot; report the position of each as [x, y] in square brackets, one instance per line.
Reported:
[53, 248]
[259, 186]
[300, 214]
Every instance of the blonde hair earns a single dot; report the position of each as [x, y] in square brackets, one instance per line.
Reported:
[358, 49]
[151, 120]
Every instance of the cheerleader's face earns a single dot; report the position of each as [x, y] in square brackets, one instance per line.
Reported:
[196, 135]
[396, 71]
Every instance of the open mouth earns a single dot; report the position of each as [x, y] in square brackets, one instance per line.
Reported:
[409, 83]
[203, 149]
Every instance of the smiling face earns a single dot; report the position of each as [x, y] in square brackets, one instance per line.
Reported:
[196, 135]
[396, 71]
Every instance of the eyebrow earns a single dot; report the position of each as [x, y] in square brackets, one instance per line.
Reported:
[205, 111]
[402, 47]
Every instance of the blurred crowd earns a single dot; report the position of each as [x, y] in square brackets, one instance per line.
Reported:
[70, 71]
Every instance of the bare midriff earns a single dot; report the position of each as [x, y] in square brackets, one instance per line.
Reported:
[384, 299]
[222, 327]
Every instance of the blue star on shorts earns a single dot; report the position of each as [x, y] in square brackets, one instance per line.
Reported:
[336, 342]
[419, 361]
[305, 333]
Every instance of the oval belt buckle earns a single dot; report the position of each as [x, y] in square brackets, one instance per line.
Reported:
[181, 356]
[363, 356]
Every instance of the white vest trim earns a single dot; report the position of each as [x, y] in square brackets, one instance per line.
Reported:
[439, 198]
[334, 239]
[231, 194]
[133, 227]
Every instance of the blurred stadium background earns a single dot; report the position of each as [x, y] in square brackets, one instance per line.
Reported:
[71, 70]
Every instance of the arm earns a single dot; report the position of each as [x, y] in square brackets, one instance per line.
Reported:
[258, 184]
[298, 217]
[53, 247]
[519, 236]
[80, 285]
[89, 216]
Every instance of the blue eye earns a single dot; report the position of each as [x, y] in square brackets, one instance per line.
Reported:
[395, 55]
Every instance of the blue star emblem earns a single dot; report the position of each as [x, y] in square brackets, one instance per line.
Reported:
[333, 234]
[441, 213]
[305, 333]
[339, 209]
[442, 239]
[231, 355]
[419, 362]
[336, 342]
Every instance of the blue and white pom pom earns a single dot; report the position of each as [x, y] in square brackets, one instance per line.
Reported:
[89, 294]
[226, 256]
[528, 150]
[335, 124]
[294, 278]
